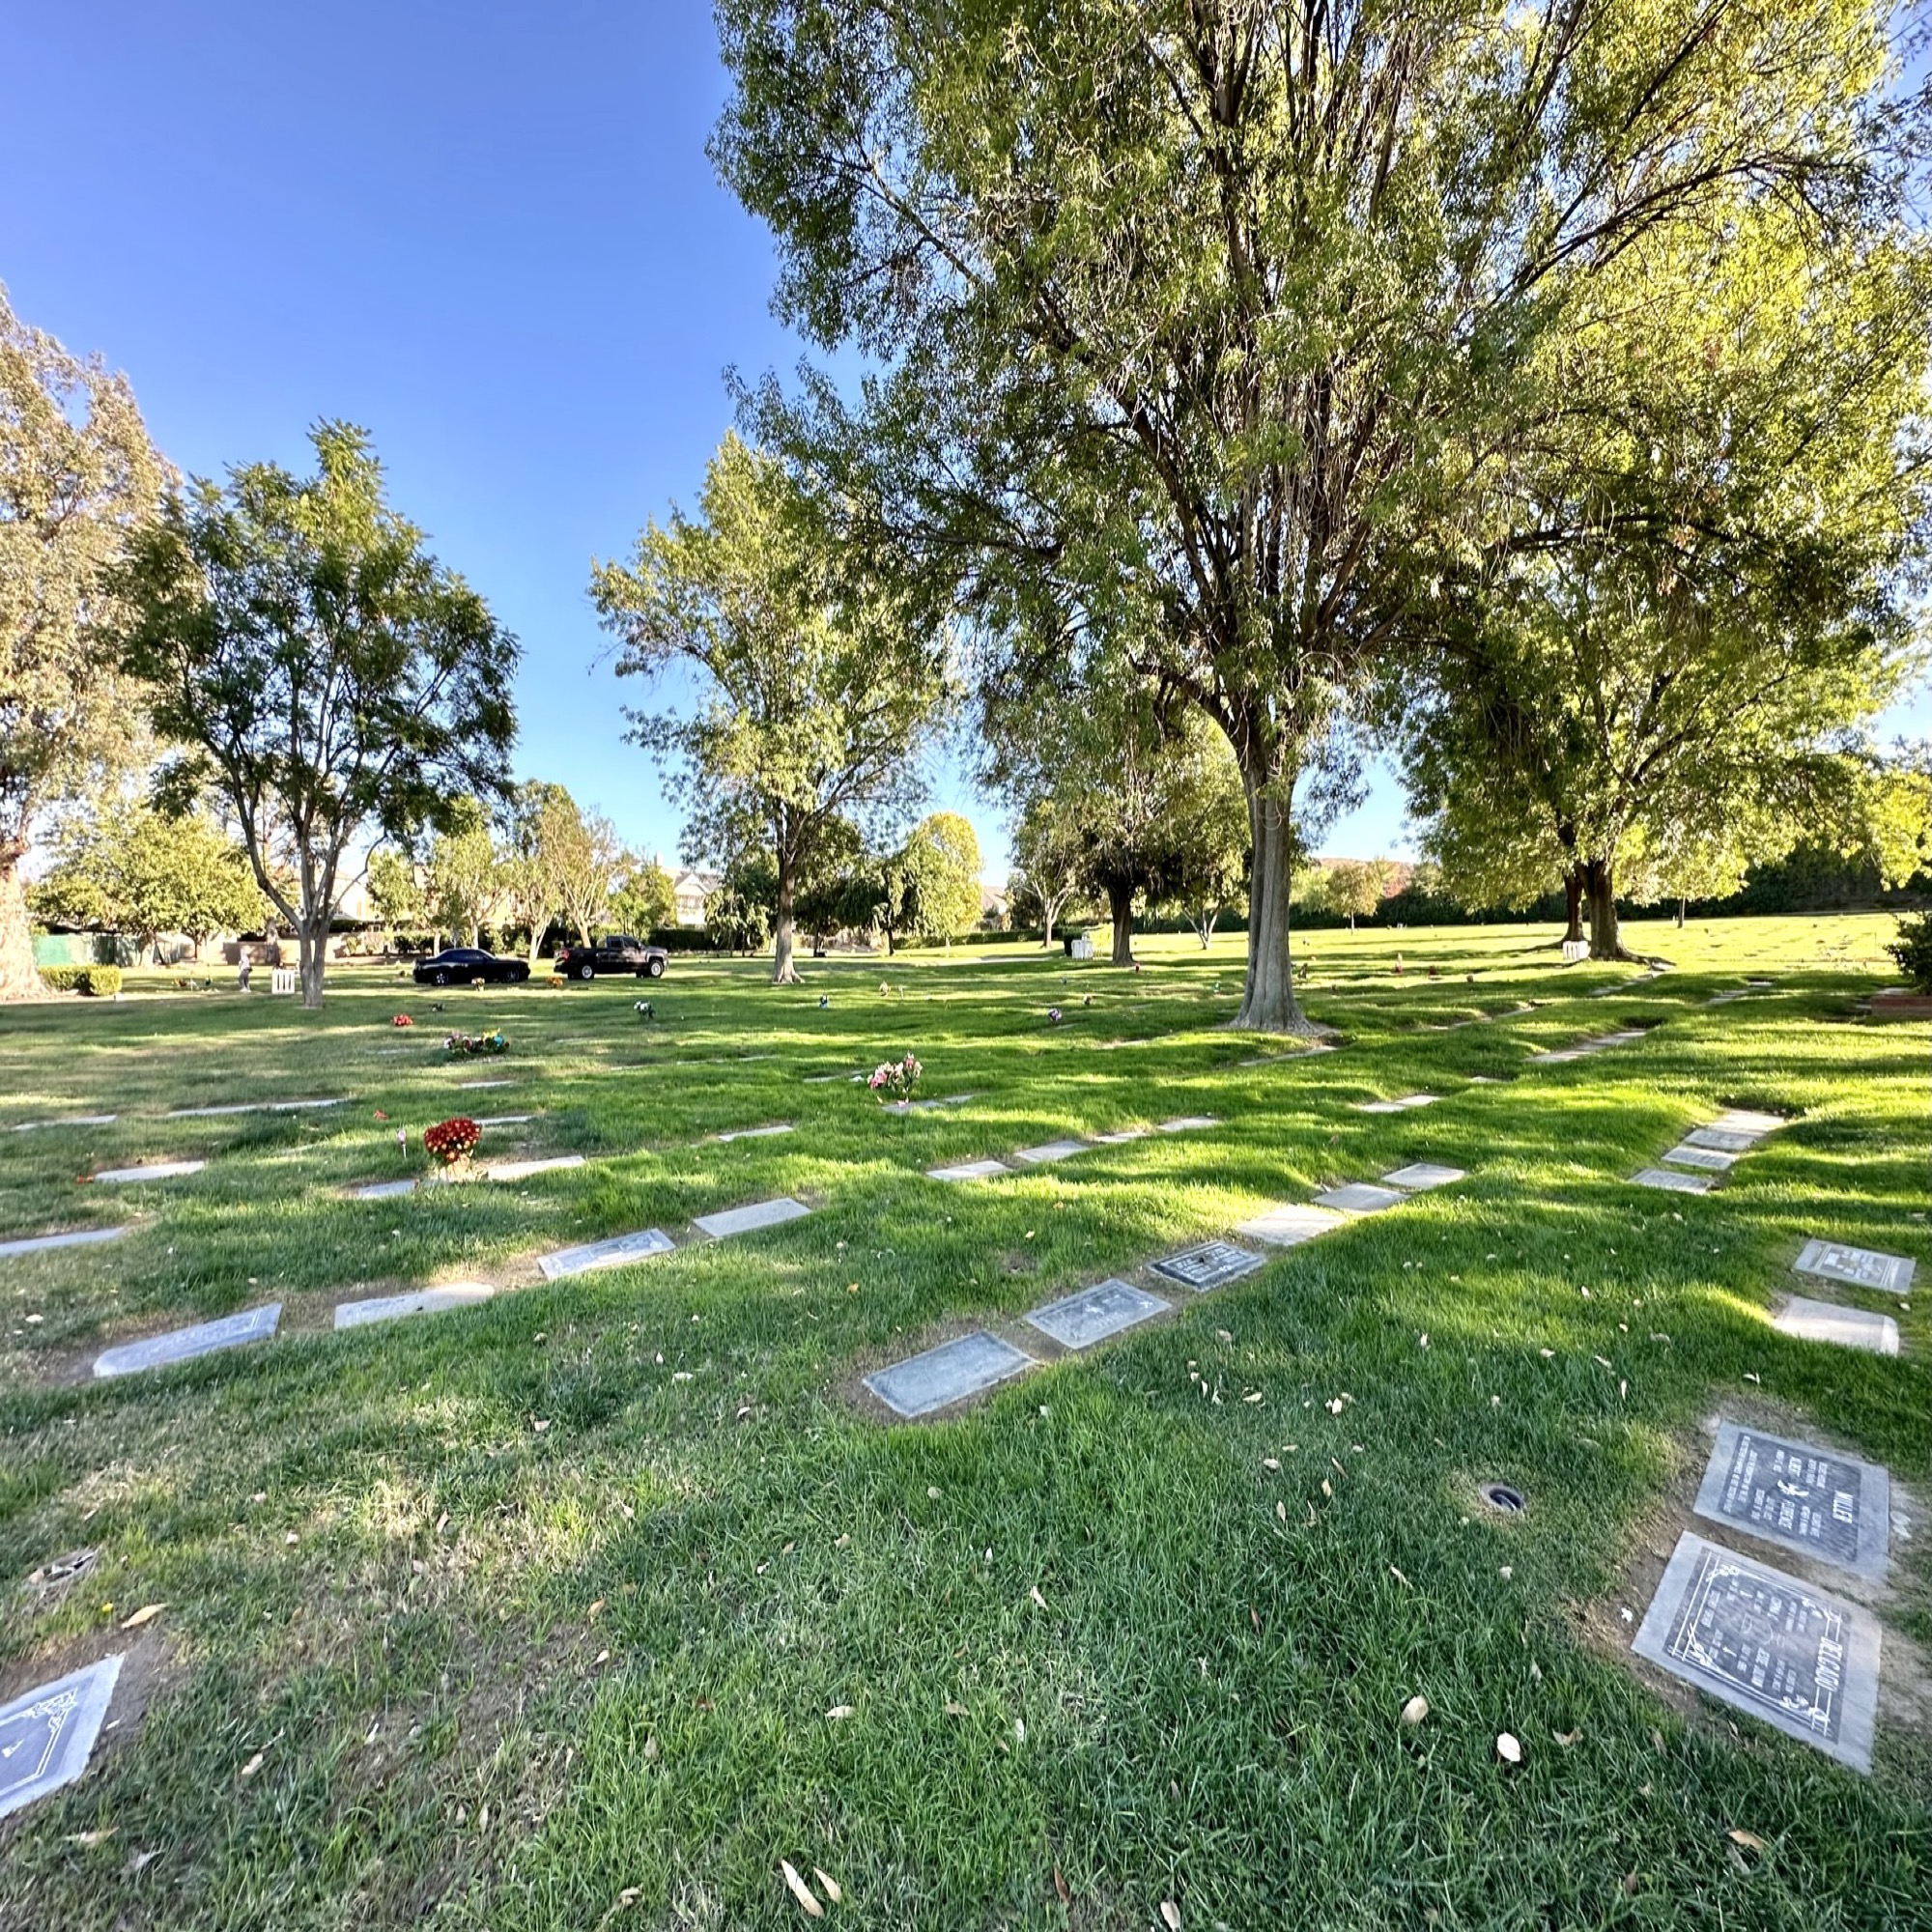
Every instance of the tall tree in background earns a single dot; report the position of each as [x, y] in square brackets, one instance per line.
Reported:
[1046, 856]
[323, 670]
[1221, 308]
[78, 474]
[646, 897]
[532, 821]
[588, 858]
[121, 866]
[821, 681]
[941, 863]
[397, 892]
[462, 873]
[1661, 675]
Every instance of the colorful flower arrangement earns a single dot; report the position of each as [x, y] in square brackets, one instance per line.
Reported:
[896, 1080]
[645, 1009]
[402, 1019]
[1054, 1015]
[475, 1046]
[453, 1141]
[557, 980]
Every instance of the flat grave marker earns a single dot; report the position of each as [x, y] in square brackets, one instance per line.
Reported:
[755, 1133]
[385, 1190]
[1742, 1120]
[1360, 1197]
[424, 1301]
[745, 1220]
[1121, 1136]
[183, 1344]
[1210, 1264]
[1711, 1161]
[951, 1373]
[1187, 1124]
[618, 1251]
[1720, 1138]
[506, 1121]
[521, 1170]
[1843, 1328]
[1420, 1175]
[480, 1085]
[1050, 1150]
[1671, 1182]
[1795, 1657]
[1079, 1320]
[160, 1170]
[1834, 1507]
[74, 1238]
[1290, 1224]
[47, 1736]
[250, 1107]
[1379, 1106]
[67, 1121]
[968, 1170]
[1860, 1267]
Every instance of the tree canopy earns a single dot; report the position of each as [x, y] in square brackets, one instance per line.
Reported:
[77, 474]
[318, 667]
[1224, 317]
[820, 682]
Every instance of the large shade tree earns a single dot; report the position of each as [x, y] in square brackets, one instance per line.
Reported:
[78, 474]
[321, 671]
[1659, 676]
[820, 680]
[1219, 305]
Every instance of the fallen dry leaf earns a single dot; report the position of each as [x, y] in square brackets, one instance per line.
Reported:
[1750, 1840]
[106, 1831]
[592, 1615]
[827, 1884]
[954, 1710]
[1061, 1887]
[253, 1765]
[146, 1615]
[800, 1891]
[1038, 1601]
[1566, 1738]
[1630, 1884]
[1507, 1749]
[1170, 1914]
[1399, 1577]
[1414, 1711]
[839, 1711]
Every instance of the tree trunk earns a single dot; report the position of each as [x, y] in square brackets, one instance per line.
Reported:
[1599, 883]
[1680, 914]
[19, 977]
[783, 972]
[1204, 928]
[311, 947]
[537, 924]
[1268, 1000]
[1121, 905]
[1046, 943]
[1572, 905]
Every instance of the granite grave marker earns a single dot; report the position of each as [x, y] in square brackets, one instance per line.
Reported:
[424, 1301]
[1843, 1328]
[745, 1220]
[1423, 1174]
[47, 1735]
[1798, 1658]
[1860, 1267]
[1211, 1264]
[75, 1237]
[1671, 1182]
[1360, 1197]
[947, 1374]
[1835, 1508]
[618, 1251]
[183, 1345]
[1290, 1224]
[1079, 1320]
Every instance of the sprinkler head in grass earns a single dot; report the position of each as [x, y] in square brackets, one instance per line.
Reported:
[1501, 1497]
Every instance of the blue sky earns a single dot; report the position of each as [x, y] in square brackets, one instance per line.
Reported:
[486, 233]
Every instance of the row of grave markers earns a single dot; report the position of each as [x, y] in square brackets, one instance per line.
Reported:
[1712, 1150]
[954, 1372]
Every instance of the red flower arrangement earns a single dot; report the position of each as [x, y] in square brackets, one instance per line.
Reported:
[402, 1019]
[451, 1141]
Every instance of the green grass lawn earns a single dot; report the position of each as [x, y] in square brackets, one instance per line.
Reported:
[531, 1615]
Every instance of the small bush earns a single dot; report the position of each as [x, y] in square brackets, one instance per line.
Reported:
[103, 982]
[1912, 950]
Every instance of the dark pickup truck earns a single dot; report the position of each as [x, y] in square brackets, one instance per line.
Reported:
[617, 953]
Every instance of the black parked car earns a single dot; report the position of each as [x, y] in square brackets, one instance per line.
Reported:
[619, 953]
[458, 965]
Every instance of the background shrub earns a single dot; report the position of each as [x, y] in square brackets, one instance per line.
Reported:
[1912, 950]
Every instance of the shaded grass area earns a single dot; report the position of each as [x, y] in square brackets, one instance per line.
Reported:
[537, 1605]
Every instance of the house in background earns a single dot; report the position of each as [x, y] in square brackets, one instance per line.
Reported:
[689, 891]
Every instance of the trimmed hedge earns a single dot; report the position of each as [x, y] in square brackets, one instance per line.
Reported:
[103, 983]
